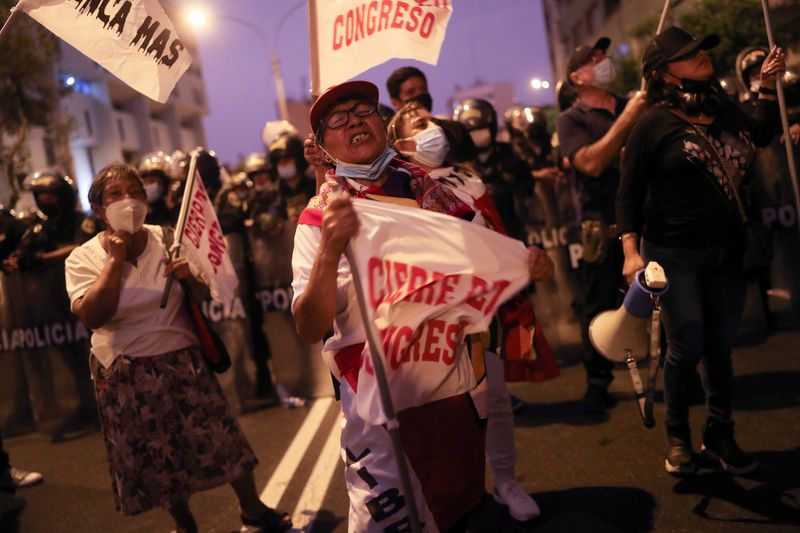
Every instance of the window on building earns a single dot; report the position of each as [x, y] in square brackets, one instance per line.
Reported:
[121, 128]
[87, 119]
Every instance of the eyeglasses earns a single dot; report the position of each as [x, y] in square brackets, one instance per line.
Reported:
[339, 118]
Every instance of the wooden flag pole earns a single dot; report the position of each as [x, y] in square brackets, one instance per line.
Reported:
[175, 250]
[377, 356]
[660, 28]
[787, 139]
[313, 41]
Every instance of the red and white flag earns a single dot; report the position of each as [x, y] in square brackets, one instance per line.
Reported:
[133, 39]
[203, 245]
[355, 35]
[429, 280]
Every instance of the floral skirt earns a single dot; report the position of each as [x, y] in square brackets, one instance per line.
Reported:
[168, 430]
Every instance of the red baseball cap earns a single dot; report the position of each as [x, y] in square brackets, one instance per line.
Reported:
[355, 89]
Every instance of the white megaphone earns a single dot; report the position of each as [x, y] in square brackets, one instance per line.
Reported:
[622, 332]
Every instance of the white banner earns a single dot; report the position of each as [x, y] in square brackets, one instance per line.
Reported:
[203, 245]
[132, 39]
[429, 279]
[356, 35]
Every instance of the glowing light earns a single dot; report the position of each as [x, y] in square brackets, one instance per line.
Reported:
[70, 81]
[545, 84]
[536, 83]
[197, 17]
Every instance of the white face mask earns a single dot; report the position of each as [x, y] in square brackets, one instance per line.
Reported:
[287, 172]
[604, 74]
[153, 192]
[126, 215]
[482, 138]
[432, 146]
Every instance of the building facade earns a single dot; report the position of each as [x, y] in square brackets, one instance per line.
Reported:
[110, 122]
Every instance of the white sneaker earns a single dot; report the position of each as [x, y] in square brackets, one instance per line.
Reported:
[520, 504]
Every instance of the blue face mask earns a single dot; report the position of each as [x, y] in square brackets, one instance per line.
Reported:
[369, 172]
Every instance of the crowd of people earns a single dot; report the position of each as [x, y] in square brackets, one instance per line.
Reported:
[660, 175]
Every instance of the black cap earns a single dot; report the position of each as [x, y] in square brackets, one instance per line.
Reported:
[582, 54]
[671, 44]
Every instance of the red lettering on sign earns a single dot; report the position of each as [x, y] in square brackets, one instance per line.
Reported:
[426, 27]
[371, 17]
[399, 13]
[337, 38]
[216, 244]
[475, 297]
[447, 285]
[414, 15]
[432, 352]
[498, 286]
[386, 9]
[375, 282]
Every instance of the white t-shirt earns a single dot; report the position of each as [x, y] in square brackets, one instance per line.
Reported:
[139, 327]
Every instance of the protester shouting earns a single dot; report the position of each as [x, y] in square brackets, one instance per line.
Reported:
[413, 134]
[352, 133]
[684, 163]
[168, 430]
[591, 133]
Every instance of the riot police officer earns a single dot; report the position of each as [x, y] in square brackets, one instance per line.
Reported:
[296, 188]
[507, 177]
[154, 170]
[530, 139]
[232, 203]
[265, 209]
[58, 228]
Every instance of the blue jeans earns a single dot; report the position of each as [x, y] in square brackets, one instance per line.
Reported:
[701, 312]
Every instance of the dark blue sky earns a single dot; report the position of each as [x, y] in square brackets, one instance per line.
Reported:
[499, 41]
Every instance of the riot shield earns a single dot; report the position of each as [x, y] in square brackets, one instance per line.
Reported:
[16, 414]
[773, 204]
[552, 224]
[234, 327]
[53, 346]
[296, 366]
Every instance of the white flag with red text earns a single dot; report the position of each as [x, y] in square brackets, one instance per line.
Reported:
[355, 35]
[203, 245]
[429, 280]
[133, 39]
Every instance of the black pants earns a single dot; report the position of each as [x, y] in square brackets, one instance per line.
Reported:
[600, 283]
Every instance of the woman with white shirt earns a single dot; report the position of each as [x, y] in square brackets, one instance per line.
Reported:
[168, 430]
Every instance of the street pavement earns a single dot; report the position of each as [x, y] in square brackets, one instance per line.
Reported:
[588, 474]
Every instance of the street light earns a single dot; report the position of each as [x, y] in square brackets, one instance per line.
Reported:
[197, 18]
[538, 84]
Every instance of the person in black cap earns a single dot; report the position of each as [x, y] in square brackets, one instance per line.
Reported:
[591, 133]
[683, 164]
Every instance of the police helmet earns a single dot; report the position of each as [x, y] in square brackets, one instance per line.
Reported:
[54, 182]
[255, 163]
[274, 129]
[749, 58]
[240, 179]
[156, 163]
[475, 114]
[288, 146]
[206, 164]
